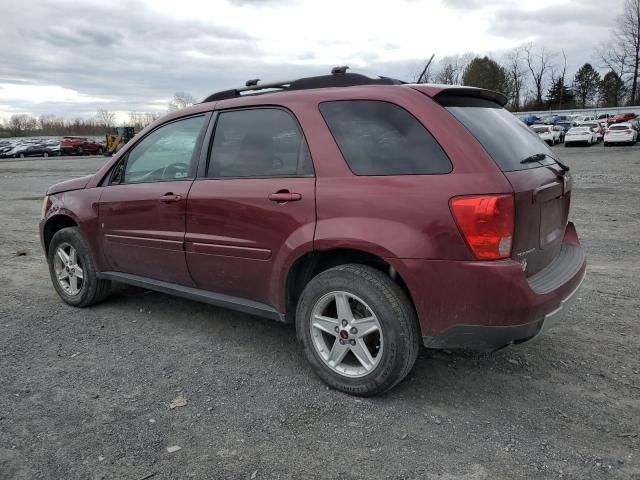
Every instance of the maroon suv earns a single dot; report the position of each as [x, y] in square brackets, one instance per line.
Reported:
[373, 214]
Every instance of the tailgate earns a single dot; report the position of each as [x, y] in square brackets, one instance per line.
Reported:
[542, 200]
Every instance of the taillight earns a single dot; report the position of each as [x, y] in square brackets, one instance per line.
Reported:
[486, 222]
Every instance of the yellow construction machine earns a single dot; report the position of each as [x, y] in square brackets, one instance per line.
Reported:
[116, 141]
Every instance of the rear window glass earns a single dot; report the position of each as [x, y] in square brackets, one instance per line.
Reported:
[380, 138]
[503, 136]
[619, 127]
[541, 129]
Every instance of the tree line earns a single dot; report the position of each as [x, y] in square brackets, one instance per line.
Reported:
[104, 121]
[535, 78]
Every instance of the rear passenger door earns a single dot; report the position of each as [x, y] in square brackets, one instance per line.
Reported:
[253, 206]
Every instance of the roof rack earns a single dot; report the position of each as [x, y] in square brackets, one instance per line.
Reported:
[338, 78]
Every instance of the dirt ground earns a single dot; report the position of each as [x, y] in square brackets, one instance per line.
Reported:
[85, 393]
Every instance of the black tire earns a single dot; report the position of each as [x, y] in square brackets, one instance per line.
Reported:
[79, 150]
[99, 151]
[93, 289]
[395, 313]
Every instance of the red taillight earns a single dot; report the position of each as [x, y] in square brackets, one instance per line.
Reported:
[486, 222]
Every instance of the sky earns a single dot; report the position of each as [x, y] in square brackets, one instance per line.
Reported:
[71, 58]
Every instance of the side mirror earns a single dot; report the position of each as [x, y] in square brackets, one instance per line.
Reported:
[118, 174]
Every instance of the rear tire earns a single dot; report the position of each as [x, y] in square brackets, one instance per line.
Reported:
[79, 151]
[370, 296]
[90, 289]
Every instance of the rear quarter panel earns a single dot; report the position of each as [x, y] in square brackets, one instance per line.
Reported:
[396, 216]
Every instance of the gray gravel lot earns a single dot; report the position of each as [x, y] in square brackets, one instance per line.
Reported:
[86, 393]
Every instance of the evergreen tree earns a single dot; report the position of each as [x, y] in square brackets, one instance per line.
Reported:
[486, 73]
[612, 90]
[560, 96]
[586, 85]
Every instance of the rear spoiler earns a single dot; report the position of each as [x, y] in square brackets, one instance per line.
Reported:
[443, 92]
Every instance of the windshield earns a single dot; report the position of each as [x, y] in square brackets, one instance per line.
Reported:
[502, 135]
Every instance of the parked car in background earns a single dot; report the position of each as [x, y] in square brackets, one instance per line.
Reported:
[565, 126]
[35, 151]
[271, 204]
[80, 146]
[597, 128]
[580, 136]
[604, 117]
[552, 134]
[625, 117]
[580, 119]
[621, 133]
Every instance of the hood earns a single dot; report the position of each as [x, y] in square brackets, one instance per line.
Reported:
[73, 184]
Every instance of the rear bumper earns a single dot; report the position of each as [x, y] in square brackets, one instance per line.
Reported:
[486, 305]
[478, 337]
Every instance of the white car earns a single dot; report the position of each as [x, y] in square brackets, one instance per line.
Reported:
[597, 127]
[583, 119]
[620, 133]
[549, 133]
[583, 135]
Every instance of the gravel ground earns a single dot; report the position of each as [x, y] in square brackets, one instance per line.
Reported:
[86, 393]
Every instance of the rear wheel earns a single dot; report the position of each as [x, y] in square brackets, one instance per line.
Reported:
[45, 154]
[72, 270]
[358, 329]
[99, 152]
[79, 150]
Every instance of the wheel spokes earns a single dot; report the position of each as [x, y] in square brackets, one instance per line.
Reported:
[78, 272]
[366, 326]
[342, 307]
[63, 256]
[326, 324]
[361, 352]
[338, 351]
[73, 284]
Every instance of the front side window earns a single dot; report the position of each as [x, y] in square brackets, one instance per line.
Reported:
[380, 138]
[259, 142]
[165, 154]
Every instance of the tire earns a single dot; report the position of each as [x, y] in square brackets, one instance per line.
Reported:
[99, 151]
[91, 289]
[22, 155]
[79, 151]
[606, 144]
[45, 154]
[397, 338]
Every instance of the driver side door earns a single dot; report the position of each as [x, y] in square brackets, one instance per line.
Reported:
[142, 208]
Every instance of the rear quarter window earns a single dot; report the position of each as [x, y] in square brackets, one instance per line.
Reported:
[381, 138]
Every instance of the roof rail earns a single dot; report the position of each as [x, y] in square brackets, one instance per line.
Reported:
[338, 78]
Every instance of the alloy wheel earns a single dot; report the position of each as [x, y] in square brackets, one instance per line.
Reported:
[346, 334]
[68, 269]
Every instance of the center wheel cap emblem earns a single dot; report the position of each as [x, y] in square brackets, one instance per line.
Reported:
[344, 334]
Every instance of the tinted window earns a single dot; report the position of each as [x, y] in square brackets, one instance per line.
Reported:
[380, 138]
[265, 142]
[502, 135]
[164, 154]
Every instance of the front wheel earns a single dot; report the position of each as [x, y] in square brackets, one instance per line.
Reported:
[72, 270]
[358, 328]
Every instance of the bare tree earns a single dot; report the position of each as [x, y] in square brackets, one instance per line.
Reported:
[629, 37]
[539, 63]
[22, 124]
[106, 117]
[452, 68]
[181, 100]
[560, 77]
[514, 64]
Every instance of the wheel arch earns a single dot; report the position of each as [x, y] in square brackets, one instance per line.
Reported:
[311, 263]
[54, 224]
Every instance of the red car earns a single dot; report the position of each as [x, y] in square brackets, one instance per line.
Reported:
[625, 117]
[80, 146]
[374, 215]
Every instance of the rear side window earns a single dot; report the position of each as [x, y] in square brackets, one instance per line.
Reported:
[380, 138]
[503, 136]
[259, 142]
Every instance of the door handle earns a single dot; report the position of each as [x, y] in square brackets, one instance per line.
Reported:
[170, 198]
[285, 196]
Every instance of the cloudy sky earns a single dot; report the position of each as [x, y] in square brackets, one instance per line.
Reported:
[72, 57]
